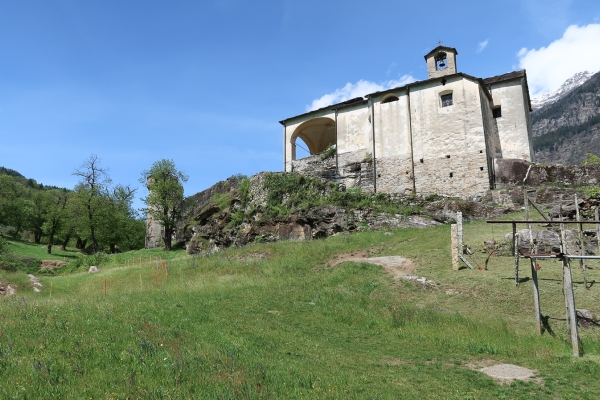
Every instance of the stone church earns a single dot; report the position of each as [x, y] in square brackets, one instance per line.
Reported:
[444, 135]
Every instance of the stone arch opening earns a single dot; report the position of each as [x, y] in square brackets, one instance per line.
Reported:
[317, 134]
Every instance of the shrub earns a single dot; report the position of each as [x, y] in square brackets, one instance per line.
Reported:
[329, 152]
[591, 159]
[3, 245]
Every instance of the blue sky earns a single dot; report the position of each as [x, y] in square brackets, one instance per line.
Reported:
[205, 82]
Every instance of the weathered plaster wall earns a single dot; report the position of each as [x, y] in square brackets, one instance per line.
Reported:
[513, 127]
[354, 130]
[439, 131]
[392, 136]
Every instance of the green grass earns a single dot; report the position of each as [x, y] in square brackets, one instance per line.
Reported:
[267, 321]
[39, 251]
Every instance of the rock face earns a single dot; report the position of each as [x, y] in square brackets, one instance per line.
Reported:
[263, 210]
[289, 206]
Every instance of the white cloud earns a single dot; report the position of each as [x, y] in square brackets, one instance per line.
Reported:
[390, 69]
[482, 45]
[358, 89]
[548, 67]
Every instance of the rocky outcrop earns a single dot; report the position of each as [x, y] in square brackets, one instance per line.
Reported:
[264, 210]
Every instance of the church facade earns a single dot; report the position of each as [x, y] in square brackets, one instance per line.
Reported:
[443, 135]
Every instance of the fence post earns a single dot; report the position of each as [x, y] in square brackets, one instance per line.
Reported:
[454, 244]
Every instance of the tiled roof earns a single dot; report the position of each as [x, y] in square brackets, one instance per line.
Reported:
[505, 77]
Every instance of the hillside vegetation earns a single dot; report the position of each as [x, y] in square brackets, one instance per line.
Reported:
[277, 320]
[96, 215]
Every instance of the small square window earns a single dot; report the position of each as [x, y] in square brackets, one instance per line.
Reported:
[497, 112]
[446, 100]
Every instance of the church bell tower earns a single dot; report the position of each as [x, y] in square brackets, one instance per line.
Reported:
[441, 61]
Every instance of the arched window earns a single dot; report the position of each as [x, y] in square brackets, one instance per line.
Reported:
[390, 98]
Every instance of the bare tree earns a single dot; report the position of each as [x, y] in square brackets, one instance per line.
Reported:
[90, 194]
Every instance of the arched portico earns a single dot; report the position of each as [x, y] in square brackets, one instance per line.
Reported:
[317, 133]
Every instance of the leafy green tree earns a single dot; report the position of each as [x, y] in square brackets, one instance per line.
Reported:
[165, 199]
[19, 215]
[39, 206]
[118, 220]
[55, 217]
[8, 194]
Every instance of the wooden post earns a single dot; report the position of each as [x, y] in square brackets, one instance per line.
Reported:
[459, 224]
[516, 252]
[570, 301]
[105, 288]
[536, 297]
[581, 243]
[155, 278]
[454, 244]
[563, 245]
[597, 228]
[534, 277]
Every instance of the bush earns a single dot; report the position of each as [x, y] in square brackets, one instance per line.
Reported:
[93, 259]
[591, 159]
[329, 152]
[11, 263]
[3, 245]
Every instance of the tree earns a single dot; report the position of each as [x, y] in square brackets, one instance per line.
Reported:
[165, 196]
[38, 208]
[90, 198]
[55, 217]
[8, 191]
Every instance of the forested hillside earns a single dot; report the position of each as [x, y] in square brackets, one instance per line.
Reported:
[95, 215]
[565, 131]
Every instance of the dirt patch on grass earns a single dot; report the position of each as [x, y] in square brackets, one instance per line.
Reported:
[395, 266]
[52, 264]
[394, 362]
[252, 256]
[504, 373]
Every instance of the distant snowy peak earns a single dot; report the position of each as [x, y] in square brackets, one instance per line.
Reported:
[548, 98]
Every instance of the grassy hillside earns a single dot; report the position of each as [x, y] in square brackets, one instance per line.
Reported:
[273, 321]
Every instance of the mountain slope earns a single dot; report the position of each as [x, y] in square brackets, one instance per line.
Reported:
[564, 131]
[573, 82]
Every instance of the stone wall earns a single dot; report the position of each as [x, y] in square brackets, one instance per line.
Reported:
[464, 176]
[394, 175]
[511, 172]
[355, 169]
